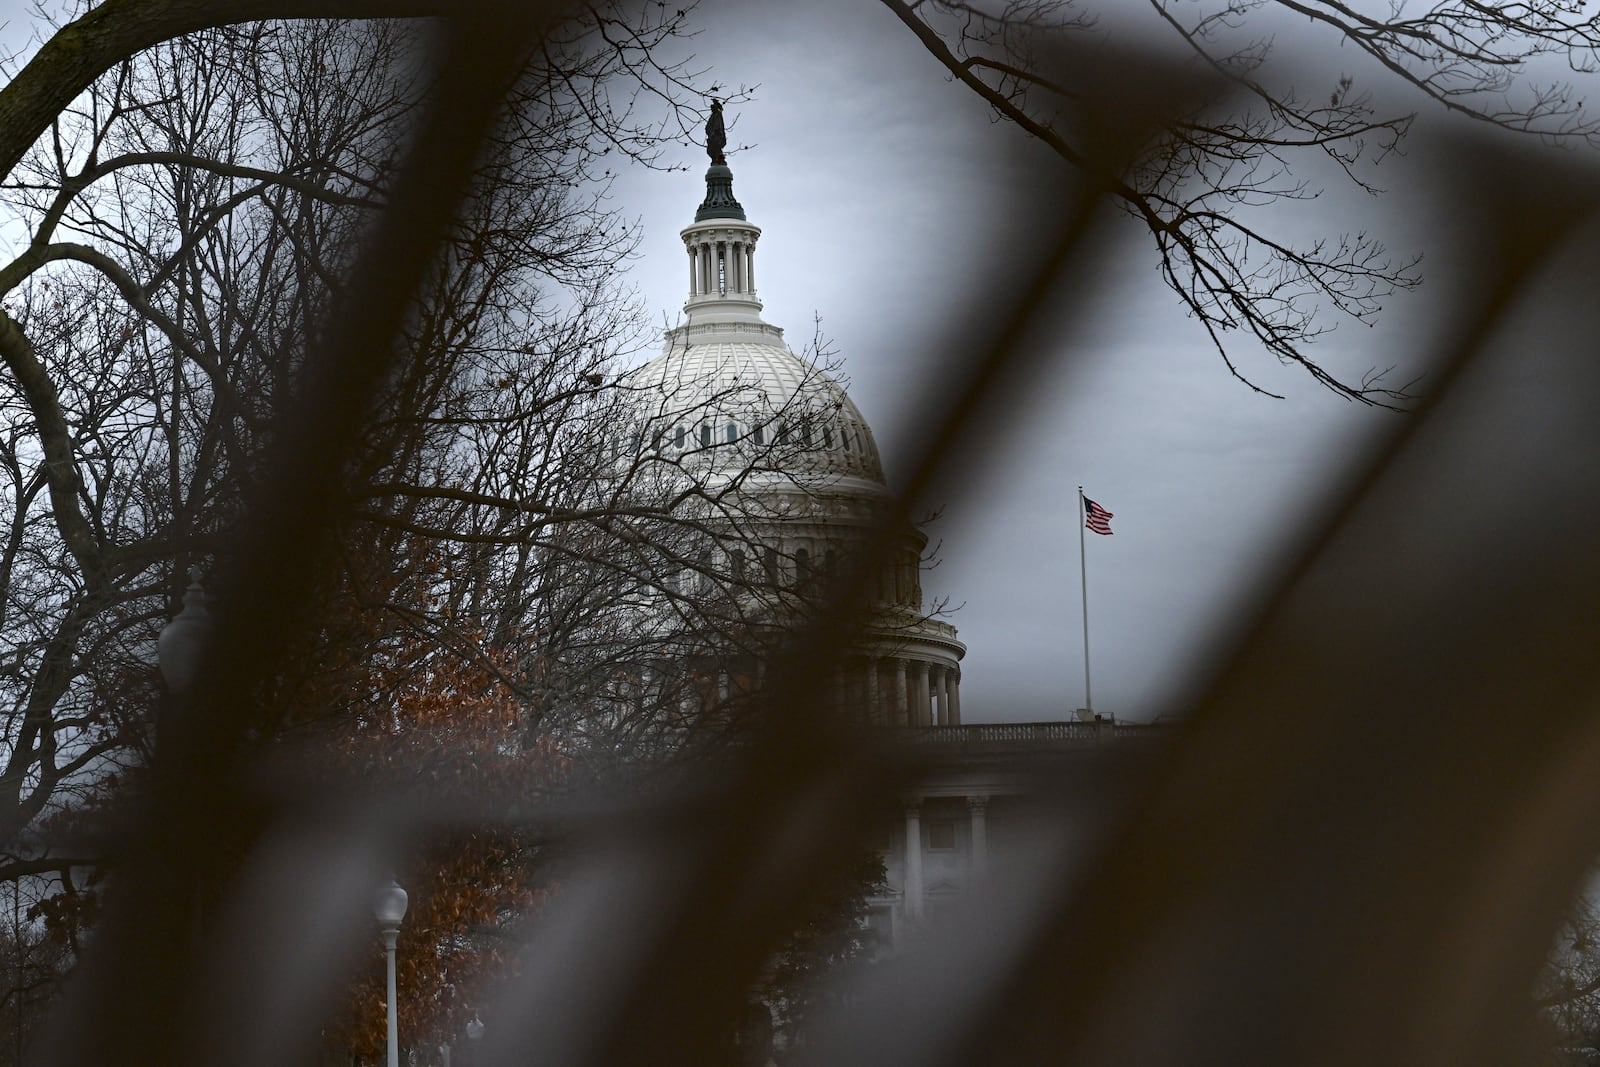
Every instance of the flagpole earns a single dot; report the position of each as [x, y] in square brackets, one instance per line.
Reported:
[1083, 579]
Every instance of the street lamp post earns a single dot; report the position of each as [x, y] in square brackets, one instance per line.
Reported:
[389, 909]
[179, 647]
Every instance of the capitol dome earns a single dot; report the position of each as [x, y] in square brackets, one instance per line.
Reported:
[728, 390]
[729, 405]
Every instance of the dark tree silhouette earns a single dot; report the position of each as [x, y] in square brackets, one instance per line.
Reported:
[1209, 190]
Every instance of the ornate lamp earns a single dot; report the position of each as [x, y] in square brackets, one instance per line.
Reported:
[389, 908]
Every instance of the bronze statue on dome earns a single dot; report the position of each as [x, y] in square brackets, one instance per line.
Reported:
[716, 135]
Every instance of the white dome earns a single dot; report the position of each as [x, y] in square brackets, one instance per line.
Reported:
[735, 395]
[729, 407]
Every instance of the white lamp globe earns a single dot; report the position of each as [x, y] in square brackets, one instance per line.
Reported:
[390, 905]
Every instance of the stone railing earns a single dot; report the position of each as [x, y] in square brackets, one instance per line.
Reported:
[700, 329]
[1024, 732]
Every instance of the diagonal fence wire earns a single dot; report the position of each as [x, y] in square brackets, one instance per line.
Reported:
[1353, 852]
[142, 981]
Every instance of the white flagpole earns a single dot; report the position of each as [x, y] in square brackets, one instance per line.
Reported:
[1083, 577]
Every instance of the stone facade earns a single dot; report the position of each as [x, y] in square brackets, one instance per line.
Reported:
[970, 814]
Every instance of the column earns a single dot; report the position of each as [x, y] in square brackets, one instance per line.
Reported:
[943, 695]
[694, 280]
[912, 719]
[875, 713]
[977, 816]
[738, 265]
[922, 698]
[912, 890]
[708, 268]
[644, 697]
[955, 697]
[901, 712]
[751, 276]
[688, 698]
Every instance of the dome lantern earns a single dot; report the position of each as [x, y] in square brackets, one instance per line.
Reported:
[721, 244]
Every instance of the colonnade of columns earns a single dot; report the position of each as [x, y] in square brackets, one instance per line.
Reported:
[883, 690]
[901, 692]
[717, 268]
[913, 892]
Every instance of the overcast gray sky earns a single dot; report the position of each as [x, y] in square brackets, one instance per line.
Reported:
[878, 183]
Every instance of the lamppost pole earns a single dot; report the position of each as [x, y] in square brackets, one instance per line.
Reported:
[389, 937]
[179, 648]
[390, 908]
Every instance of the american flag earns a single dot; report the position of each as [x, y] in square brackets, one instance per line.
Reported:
[1099, 519]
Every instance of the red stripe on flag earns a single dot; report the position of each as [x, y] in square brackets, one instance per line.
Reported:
[1099, 519]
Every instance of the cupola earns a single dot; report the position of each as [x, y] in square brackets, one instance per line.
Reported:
[721, 244]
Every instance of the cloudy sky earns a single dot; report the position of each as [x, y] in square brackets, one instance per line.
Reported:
[879, 184]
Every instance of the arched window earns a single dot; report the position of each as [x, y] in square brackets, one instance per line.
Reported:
[705, 435]
[769, 562]
[736, 564]
[759, 434]
[733, 432]
[827, 437]
[802, 566]
[678, 436]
